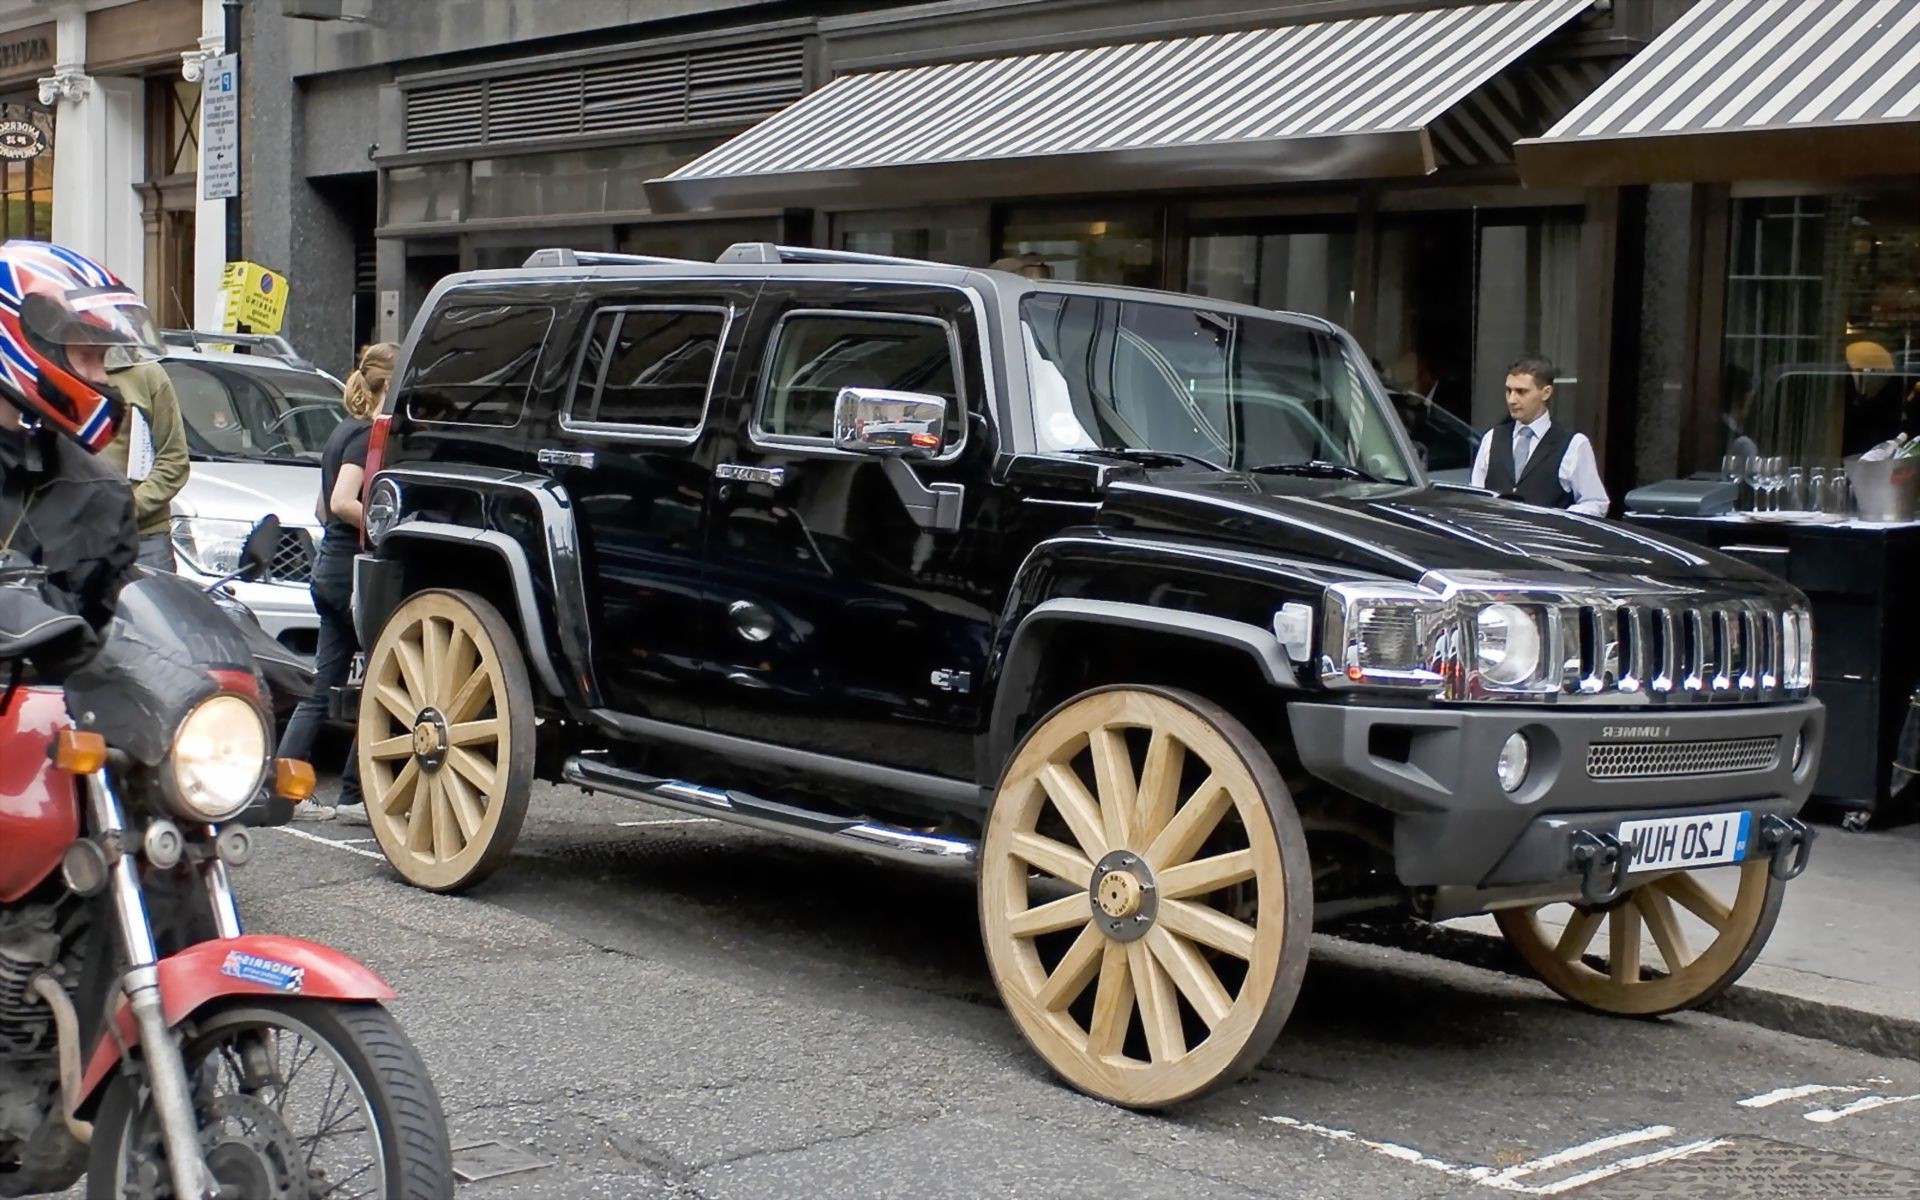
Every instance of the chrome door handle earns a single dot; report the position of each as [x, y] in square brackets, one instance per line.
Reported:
[771, 476]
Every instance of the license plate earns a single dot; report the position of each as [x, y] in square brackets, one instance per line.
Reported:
[1686, 842]
[357, 669]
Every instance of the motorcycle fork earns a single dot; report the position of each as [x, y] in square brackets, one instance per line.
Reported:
[166, 1068]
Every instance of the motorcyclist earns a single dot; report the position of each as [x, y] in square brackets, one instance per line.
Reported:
[67, 532]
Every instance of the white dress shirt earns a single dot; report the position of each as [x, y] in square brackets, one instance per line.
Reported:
[1579, 473]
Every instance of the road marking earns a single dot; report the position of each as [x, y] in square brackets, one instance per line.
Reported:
[1827, 1116]
[1782, 1095]
[669, 821]
[1508, 1180]
[326, 841]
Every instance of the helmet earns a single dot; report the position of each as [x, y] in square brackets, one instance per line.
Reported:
[61, 314]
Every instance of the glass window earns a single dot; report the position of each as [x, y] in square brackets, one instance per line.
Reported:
[1236, 391]
[946, 235]
[235, 411]
[26, 187]
[820, 353]
[574, 181]
[423, 195]
[1059, 244]
[649, 367]
[1307, 271]
[475, 364]
[701, 241]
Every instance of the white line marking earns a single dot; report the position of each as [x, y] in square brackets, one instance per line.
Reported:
[1561, 1158]
[314, 837]
[669, 821]
[1781, 1095]
[1404, 1154]
[1629, 1164]
[1826, 1116]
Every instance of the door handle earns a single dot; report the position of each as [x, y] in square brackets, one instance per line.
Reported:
[771, 476]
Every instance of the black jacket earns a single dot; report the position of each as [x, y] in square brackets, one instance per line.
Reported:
[1540, 482]
[64, 512]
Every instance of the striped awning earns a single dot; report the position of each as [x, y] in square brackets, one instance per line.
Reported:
[1751, 89]
[1328, 100]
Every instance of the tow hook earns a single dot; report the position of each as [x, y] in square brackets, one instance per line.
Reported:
[1788, 843]
[1603, 864]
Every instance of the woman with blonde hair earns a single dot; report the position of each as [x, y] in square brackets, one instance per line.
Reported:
[343, 467]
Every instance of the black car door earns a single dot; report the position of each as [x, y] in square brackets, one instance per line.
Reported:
[841, 623]
[630, 449]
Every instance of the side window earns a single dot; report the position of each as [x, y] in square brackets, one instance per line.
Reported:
[818, 353]
[649, 368]
[474, 365]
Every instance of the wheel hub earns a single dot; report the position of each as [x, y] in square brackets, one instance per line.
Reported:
[250, 1150]
[1123, 895]
[430, 739]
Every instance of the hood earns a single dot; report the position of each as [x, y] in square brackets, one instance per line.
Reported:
[243, 491]
[1400, 532]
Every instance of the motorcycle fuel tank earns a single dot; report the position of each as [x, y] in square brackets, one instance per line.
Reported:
[39, 809]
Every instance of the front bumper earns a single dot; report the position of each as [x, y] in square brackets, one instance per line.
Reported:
[1433, 768]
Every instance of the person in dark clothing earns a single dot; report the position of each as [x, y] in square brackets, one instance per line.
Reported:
[343, 464]
[1527, 457]
[67, 530]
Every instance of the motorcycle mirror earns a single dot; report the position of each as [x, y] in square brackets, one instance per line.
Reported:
[256, 556]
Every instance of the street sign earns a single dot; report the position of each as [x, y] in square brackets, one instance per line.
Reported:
[254, 296]
[220, 137]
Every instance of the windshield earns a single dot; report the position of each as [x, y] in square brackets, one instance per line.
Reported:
[238, 411]
[1240, 392]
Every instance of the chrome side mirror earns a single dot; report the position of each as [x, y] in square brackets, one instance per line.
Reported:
[892, 424]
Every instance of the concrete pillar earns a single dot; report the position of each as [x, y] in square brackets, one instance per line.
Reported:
[209, 216]
[99, 155]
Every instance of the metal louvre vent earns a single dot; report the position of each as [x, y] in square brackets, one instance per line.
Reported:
[737, 84]
[293, 561]
[1662, 760]
[1733, 650]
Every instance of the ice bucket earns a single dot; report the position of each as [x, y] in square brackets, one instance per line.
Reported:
[1885, 490]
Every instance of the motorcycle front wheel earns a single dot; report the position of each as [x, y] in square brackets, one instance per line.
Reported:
[296, 1099]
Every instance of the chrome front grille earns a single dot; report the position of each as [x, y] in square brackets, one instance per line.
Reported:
[1726, 650]
[293, 561]
[1664, 760]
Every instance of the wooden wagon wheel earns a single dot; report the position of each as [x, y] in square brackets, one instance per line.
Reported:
[1649, 918]
[1145, 895]
[446, 740]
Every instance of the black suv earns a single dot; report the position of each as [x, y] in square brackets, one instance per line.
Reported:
[1137, 605]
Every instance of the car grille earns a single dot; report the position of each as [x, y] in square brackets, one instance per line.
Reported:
[1662, 760]
[293, 561]
[1729, 650]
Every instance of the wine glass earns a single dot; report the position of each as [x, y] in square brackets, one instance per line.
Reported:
[1754, 471]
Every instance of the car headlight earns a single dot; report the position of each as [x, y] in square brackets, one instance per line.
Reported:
[1376, 636]
[1796, 636]
[218, 759]
[1507, 645]
[211, 545]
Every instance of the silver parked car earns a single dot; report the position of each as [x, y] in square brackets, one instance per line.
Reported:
[256, 416]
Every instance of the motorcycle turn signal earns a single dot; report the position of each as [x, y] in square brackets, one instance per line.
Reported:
[79, 753]
[293, 779]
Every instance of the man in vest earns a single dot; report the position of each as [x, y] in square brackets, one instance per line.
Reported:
[1528, 457]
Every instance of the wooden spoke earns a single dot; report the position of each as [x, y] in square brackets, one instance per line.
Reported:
[1657, 911]
[393, 747]
[467, 733]
[1191, 974]
[1112, 1004]
[1578, 935]
[1207, 875]
[473, 767]
[1683, 887]
[1052, 917]
[1192, 825]
[420, 815]
[1081, 811]
[413, 673]
[1208, 926]
[434, 635]
[396, 703]
[463, 663]
[1159, 1014]
[1060, 861]
[1159, 790]
[468, 809]
[1075, 971]
[1119, 790]
[445, 835]
[405, 782]
[1623, 944]
[470, 698]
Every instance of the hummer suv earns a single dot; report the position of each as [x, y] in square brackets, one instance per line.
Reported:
[1137, 606]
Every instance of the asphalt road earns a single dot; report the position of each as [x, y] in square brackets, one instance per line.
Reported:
[684, 1009]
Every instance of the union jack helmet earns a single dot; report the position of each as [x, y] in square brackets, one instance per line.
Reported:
[61, 315]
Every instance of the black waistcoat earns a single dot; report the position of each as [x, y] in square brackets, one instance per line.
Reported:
[1540, 482]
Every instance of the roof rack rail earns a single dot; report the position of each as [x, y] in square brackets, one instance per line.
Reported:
[560, 256]
[271, 344]
[767, 252]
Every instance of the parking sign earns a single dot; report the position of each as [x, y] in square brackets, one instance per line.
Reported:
[220, 137]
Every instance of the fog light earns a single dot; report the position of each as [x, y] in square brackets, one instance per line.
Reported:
[1514, 758]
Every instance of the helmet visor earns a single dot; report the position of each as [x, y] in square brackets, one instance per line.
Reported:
[104, 317]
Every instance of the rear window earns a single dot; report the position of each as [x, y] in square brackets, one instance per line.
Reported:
[474, 365]
[233, 410]
[648, 369]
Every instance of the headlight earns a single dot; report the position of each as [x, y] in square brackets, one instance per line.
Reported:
[1796, 636]
[211, 545]
[1377, 637]
[1507, 641]
[218, 759]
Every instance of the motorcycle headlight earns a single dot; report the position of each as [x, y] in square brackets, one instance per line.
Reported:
[1508, 642]
[210, 545]
[218, 759]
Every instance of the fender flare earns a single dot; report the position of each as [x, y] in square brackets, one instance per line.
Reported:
[197, 976]
[1021, 667]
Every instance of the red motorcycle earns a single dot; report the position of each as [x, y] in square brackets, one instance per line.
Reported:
[146, 1041]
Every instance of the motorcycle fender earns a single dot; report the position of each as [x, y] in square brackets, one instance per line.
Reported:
[246, 966]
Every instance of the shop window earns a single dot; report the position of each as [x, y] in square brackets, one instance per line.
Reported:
[1821, 358]
[818, 353]
[701, 241]
[1307, 271]
[425, 195]
[173, 127]
[1118, 248]
[574, 181]
[957, 236]
[648, 368]
[26, 185]
[475, 364]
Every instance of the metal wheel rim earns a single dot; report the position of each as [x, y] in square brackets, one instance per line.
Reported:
[1647, 919]
[434, 821]
[1157, 990]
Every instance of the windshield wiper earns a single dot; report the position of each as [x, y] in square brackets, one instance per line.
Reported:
[1318, 467]
[1147, 455]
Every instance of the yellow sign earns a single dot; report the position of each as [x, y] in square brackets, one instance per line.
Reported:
[254, 296]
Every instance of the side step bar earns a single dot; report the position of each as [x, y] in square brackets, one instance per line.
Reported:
[849, 833]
